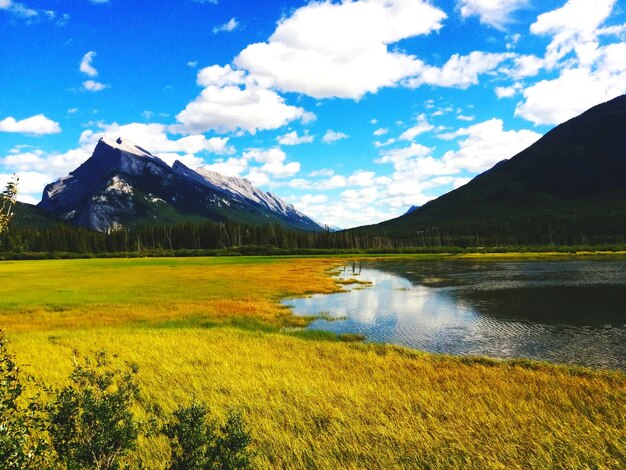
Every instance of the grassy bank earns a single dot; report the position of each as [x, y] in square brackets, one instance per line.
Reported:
[213, 328]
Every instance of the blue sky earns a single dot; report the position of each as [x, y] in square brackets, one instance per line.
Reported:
[352, 111]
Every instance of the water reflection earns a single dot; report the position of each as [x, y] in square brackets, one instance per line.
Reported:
[565, 311]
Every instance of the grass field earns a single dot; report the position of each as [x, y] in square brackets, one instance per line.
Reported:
[213, 328]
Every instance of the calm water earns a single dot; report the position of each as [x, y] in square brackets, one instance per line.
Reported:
[559, 311]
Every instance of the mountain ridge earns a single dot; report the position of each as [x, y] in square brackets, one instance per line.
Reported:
[124, 185]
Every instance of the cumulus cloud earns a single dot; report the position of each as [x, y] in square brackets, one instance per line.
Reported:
[381, 131]
[30, 15]
[573, 27]
[493, 13]
[421, 127]
[574, 91]
[232, 100]
[292, 138]
[30, 185]
[259, 166]
[86, 65]
[37, 125]
[588, 73]
[459, 71]
[227, 27]
[333, 136]
[154, 137]
[341, 50]
[92, 85]
[274, 165]
[484, 144]
[507, 91]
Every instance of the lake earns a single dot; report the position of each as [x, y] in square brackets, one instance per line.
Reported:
[559, 311]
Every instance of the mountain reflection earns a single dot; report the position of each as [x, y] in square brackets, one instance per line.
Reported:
[565, 311]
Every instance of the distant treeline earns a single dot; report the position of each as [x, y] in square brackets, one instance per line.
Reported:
[213, 238]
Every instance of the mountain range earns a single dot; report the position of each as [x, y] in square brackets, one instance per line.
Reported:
[567, 188]
[124, 185]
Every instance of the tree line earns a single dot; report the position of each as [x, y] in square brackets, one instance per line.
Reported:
[218, 237]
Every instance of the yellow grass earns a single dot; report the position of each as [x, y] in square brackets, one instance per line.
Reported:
[309, 403]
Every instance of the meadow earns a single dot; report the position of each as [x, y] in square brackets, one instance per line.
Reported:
[213, 329]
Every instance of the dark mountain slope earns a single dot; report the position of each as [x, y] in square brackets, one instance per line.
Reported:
[568, 187]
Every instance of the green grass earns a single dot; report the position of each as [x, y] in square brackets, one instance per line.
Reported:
[213, 328]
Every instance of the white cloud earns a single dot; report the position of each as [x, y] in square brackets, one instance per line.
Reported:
[192, 63]
[334, 182]
[232, 101]
[379, 144]
[227, 27]
[496, 13]
[381, 131]
[292, 138]
[20, 10]
[588, 72]
[273, 166]
[333, 136]
[485, 144]
[86, 66]
[573, 27]
[230, 167]
[54, 164]
[574, 91]
[341, 50]
[322, 172]
[507, 92]
[92, 85]
[39, 125]
[459, 71]
[421, 127]
[399, 155]
[154, 138]
[30, 186]
[525, 66]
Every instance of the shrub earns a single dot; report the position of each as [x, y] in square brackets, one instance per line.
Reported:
[199, 444]
[91, 424]
[21, 446]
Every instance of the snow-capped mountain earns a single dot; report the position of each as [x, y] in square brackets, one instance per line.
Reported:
[122, 184]
[241, 189]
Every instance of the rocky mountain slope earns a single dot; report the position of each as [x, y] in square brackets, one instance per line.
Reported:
[124, 185]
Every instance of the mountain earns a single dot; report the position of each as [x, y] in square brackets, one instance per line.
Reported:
[569, 187]
[411, 209]
[123, 185]
[28, 216]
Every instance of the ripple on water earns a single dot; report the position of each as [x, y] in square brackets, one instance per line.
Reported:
[565, 312]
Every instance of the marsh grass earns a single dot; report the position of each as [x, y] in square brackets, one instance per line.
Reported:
[213, 329]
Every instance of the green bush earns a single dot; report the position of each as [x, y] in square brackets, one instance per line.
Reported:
[199, 444]
[21, 425]
[91, 424]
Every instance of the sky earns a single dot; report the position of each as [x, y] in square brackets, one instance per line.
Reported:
[353, 111]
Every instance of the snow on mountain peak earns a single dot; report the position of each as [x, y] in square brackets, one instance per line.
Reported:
[125, 146]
